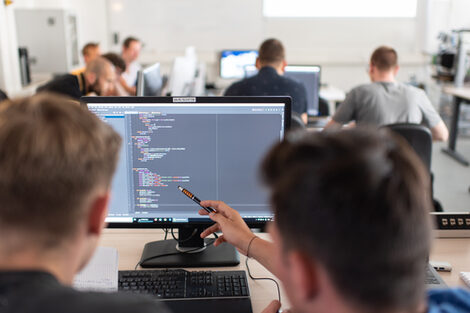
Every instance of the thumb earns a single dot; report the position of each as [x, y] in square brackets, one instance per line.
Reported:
[273, 307]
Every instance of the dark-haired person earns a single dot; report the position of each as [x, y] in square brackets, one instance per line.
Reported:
[351, 230]
[98, 79]
[120, 67]
[90, 51]
[57, 160]
[386, 101]
[269, 81]
[130, 53]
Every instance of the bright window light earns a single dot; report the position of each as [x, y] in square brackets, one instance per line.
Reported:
[339, 8]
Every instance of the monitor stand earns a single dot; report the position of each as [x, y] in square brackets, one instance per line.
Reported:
[189, 251]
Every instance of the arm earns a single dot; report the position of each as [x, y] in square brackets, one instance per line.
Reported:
[236, 232]
[440, 132]
[332, 125]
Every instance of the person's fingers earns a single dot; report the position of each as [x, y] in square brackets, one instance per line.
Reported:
[203, 212]
[273, 307]
[209, 230]
[219, 206]
[219, 241]
[218, 218]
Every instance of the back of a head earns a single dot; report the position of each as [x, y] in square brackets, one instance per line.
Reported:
[357, 202]
[54, 154]
[384, 58]
[271, 51]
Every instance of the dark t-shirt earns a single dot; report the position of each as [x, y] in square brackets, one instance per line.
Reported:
[68, 84]
[35, 291]
[269, 83]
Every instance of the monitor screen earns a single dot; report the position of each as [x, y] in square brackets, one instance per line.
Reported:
[149, 81]
[309, 75]
[212, 147]
[233, 62]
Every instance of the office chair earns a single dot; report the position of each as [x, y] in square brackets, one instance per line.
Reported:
[323, 107]
[420, 139]
[296, 122]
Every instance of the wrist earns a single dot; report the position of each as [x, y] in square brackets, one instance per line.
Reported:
[249, 247]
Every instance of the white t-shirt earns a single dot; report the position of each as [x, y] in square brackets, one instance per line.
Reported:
[130, 75]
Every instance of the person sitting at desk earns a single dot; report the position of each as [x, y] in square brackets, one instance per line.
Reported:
[351, 230]
[270, 81]
[386, 101]
[56, 167]
[98, 79]
[130, 53]
[90, 51]
[120, 67]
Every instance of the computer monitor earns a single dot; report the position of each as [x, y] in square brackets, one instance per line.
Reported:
[309, 75]
[183, 76]
[150, 81]
[211, 146]
[233, 62]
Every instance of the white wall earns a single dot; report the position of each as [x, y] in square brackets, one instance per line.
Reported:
[91, 16]
[341, 46]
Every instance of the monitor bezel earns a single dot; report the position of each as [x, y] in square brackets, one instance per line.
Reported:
[237, 50]
[287, 101]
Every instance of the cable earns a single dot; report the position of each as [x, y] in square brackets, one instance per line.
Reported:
[264, 278]
[175, 253]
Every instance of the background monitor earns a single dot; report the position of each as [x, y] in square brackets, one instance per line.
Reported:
[233, 62]
[150, 81]
[309, 75]
[197, 143]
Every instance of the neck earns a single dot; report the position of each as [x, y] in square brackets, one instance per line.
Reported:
[277, 67]
[386, 77]
[62, 262]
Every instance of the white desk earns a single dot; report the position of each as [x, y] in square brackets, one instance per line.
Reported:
[130, 242]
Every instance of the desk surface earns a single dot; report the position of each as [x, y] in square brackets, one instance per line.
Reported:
[130, 242]
[461, 92]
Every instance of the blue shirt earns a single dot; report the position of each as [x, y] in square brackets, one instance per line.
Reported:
[455, 300]
[269, 83]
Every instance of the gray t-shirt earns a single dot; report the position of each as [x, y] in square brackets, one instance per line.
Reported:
[383, 103]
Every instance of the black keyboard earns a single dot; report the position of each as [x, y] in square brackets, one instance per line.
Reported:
[174, 284]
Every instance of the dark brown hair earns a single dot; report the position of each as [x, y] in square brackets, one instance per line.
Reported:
[384, 58]
[127, 42]
[116, 60]
[271, 51]
[53, 155]
[357, 201]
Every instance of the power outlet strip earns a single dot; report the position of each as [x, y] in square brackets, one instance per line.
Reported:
[451, 224]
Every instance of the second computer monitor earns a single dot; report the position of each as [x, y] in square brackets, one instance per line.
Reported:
[149, 81]
[309, 75]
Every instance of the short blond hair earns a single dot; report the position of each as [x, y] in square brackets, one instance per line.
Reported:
[54, 154]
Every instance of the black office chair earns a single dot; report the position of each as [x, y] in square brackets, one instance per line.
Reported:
[323, 107]
[420, 139]
[296, 122]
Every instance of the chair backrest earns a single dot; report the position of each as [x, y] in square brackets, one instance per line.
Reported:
[296, 121]
[419, 137]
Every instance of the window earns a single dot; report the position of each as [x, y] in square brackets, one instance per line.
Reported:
[340, 8]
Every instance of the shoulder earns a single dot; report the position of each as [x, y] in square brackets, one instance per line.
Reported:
[96, 302]
[455, 300]
[238, 87]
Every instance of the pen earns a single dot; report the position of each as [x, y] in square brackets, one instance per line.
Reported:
[195, 199]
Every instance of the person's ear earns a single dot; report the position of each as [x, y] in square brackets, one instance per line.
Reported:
[97, 214]
[258, 64]
[395, 70]
[304, 275]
